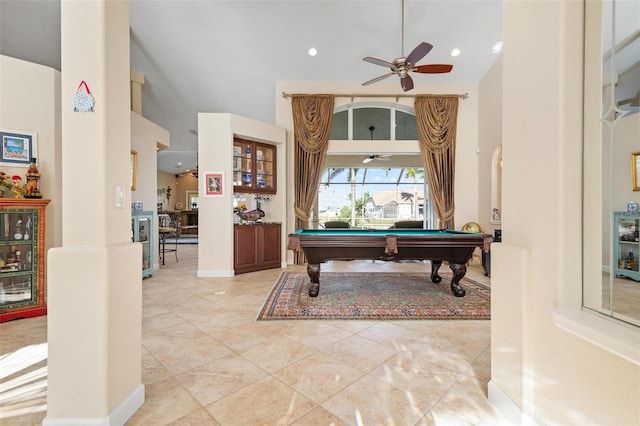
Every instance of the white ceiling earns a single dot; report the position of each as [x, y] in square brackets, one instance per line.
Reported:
[226, 56]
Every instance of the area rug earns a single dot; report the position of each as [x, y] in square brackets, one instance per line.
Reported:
[382, 296]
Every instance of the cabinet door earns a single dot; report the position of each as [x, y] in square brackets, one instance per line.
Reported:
[243, 176]
[22, 275]
[270, 244]
[627, 244]
[245, 257]
[265, 168]
[144, 234]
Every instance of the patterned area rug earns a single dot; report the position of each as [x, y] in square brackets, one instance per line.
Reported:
[385, 295]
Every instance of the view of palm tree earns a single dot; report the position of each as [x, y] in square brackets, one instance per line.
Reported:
[373, 197]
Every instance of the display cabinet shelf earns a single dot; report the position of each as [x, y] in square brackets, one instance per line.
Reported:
[22, 258]
[142, 232]
[254, 167]
[626, 244]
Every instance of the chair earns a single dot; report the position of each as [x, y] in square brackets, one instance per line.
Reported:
[336, 224]
[167, 229]
[412, 224]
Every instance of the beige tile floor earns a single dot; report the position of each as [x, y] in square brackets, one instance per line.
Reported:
[206, 361]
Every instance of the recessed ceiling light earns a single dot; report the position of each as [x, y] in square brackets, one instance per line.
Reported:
[455, 52]
[497, 47]
[312, 51]
[179, 164]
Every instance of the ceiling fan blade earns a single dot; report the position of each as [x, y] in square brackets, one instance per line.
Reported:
[367, 160]
[377, 61]
[406, 82]
[383, 158]
[377, 79]
[419, 52]
[433, 68]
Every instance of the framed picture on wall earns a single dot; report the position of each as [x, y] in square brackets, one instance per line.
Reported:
[18, 148]
[214, 184]
[635, 170]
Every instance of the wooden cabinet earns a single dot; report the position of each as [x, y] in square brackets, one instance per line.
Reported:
[142, 232]
[254, 167]
[22, 258]
[626, 244]
[256, 247]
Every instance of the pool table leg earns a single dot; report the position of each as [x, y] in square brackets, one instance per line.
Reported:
[435, 265]
[314, 275]
[459, 271]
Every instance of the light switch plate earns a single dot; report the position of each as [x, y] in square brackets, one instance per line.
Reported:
[120, 198]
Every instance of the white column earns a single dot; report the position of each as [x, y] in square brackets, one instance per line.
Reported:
[94, 279]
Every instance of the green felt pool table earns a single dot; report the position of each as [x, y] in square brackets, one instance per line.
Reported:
[455, 247]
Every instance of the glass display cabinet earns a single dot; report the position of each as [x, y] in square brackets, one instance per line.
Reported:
[625, 230]
[142, 232]
[22, 258]
[254, 167]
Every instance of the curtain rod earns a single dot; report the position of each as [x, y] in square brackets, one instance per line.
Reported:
[374, 95]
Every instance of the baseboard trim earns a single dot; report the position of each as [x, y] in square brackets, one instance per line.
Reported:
[117, 417]
[216, 273]
[504, 404]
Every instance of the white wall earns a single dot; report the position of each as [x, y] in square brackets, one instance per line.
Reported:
[145, 135]
[30, 102]
[466, 187]
[489, 139]
[215, 216]
[552, 375]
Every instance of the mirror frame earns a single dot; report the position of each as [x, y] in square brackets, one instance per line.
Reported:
[635, 170]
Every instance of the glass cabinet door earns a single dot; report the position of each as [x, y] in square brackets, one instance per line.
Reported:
[17, 257]
[242, 164]
[254, 167]
[265, 167]
[628, 244]
[144, 231]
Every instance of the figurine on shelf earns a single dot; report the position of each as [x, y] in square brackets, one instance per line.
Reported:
[33, 181]
[5, 183]
[18, 192]
[18, 234]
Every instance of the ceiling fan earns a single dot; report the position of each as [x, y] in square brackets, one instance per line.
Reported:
[402, 66]
[379, 157]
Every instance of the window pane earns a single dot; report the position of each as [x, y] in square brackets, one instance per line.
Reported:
[339, 126]
[379, 199]
[378, 118]
[406, 127]
[409, 174]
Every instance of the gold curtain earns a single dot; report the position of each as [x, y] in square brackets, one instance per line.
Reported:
[437, 116]
[312, 118]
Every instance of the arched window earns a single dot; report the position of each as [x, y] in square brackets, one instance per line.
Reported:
[393, 122]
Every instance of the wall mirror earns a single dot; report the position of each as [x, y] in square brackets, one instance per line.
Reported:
[611, 277]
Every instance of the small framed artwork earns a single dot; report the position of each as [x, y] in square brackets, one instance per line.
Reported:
[18, 148]
[214, 184]
[635, 170]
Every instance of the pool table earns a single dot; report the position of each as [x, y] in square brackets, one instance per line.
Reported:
[436, 245]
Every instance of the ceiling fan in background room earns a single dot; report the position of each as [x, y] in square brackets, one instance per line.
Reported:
[402, 66]
[379, 157]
